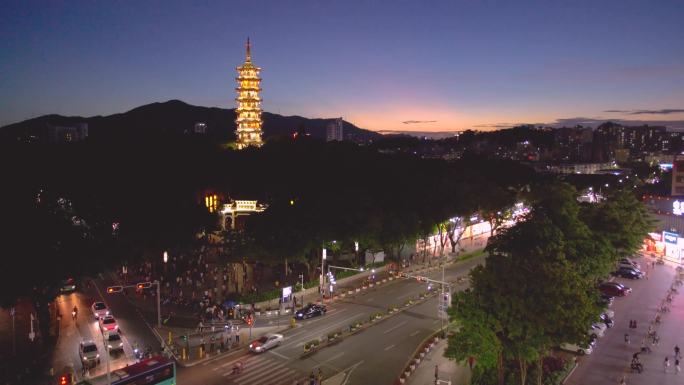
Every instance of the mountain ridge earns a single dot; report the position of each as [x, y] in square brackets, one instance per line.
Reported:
[178, 117]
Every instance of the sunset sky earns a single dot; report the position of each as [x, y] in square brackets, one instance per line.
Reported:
[382, 65]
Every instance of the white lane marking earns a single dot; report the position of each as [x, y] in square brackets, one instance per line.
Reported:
[414, 333]
[332, 326]
[279, 355]
[259, 376]
[244, 359]
[389, 347]
[310, 321]
[406, 295]
[394, 327]
[351, 369]
[295, 334]
[329, 359]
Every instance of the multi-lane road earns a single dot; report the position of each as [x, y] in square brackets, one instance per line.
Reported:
[375, 355]
[134, 330]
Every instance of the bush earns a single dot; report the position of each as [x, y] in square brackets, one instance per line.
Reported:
[311, 344]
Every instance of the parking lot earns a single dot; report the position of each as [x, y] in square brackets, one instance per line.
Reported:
[611, 358]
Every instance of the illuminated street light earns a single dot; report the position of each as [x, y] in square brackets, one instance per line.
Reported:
[166, 257]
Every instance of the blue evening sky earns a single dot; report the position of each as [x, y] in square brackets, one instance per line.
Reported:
[458, 64]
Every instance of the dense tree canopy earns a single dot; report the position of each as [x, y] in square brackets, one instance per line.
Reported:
[536, 289]
[124, 200]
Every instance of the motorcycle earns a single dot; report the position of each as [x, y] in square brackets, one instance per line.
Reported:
[137, 353]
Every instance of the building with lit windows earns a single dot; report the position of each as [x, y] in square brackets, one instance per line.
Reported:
[248, 103]
[334, 131]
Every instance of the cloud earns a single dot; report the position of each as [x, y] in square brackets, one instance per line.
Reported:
[664, 111]
[497, 125]
[418, 121]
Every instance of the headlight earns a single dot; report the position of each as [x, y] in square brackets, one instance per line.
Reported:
[85, 358]
[251, 346]
[107, 312]
[109, 346]
[258, 348]
[97, 355]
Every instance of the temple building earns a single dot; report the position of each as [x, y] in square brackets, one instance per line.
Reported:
[248, 104]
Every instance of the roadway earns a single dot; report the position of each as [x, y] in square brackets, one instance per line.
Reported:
[134, 330]
[375, 355]
[611, 357]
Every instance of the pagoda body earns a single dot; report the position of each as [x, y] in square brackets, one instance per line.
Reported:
[248, 104]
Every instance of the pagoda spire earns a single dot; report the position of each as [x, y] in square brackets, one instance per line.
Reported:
[249, 51]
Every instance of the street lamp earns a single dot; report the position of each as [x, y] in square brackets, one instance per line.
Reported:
[166, 256]
[322, 277]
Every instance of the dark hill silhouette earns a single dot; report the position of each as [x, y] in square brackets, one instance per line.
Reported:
[177, 117]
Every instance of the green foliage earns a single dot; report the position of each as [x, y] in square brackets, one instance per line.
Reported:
[536, 289]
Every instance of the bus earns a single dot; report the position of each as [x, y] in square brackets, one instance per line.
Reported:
[150, 371]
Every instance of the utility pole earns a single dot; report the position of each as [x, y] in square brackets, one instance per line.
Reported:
[158, 304]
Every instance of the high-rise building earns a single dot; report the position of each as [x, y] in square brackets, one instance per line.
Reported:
[678, 176]
[248, 103]
[334, 131]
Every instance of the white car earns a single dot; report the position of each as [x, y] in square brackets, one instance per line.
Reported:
[87, 350]
[609, 313]
[100, 310]
[266, 342]
[597, 329]
[114, 342]
[581, 350]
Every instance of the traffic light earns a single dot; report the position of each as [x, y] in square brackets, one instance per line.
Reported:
[65, 379]
[143, 285]
[114, 289]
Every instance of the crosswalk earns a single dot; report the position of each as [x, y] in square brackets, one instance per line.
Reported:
[258, 370]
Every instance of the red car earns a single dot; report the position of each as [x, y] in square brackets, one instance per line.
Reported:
[614, 289]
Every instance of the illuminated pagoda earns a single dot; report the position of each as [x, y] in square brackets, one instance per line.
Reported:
[248, 103]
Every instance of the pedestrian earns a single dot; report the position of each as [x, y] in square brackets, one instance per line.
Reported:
[312, 378]
[666, 364]
[677, 368]
[471, 361]
[627, 338]
[676, 350]
[623, 381]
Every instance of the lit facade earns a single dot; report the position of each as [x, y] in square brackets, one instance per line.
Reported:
[248, 104]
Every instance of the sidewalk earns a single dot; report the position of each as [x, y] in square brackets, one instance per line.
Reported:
[448, 370]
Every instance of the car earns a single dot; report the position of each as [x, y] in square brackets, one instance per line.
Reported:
[628, 272]
[580, 349]
[114, 342]
[266, 342]
[614, 289]
[87, 350]
[628, 263]
[310, 310]
[608, 313]
[597, 329]
[108, 324]
[100, 310]
[68, 286]
[606, 320]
